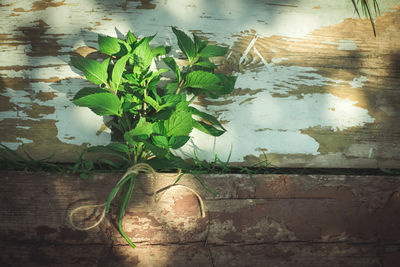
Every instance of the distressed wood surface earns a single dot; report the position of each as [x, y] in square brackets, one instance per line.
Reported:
[283, 220]
[315, 88]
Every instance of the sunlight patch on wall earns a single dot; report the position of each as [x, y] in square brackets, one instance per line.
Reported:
[274, 124]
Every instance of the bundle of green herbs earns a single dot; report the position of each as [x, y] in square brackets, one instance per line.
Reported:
[150, 119]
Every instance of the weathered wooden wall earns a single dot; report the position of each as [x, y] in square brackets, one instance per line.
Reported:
[315, 87]
[282, 220]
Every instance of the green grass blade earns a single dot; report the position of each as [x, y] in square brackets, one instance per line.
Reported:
[121, 230]
[12, 152]
[114, 191]
[179, 177]
[204, 184]
[355, 7]
[125, 198]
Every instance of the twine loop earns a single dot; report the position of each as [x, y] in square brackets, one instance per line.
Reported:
[135, 169]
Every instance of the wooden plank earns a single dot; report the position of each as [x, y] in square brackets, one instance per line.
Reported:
[283, 220]
[101, 255]
[280, 255]
[315, 87]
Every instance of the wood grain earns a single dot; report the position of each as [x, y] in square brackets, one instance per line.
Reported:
[283, 220]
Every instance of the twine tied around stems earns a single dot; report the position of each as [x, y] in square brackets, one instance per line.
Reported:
[135, 169]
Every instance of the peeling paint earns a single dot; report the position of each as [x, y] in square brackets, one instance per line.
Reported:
[347, 45]
[15, 145]
[279, 89]
[358, 82]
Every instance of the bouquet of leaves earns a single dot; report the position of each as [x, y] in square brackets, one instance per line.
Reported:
[150, 119]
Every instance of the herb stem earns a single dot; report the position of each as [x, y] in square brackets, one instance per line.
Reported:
[179, 86]
[144, 103]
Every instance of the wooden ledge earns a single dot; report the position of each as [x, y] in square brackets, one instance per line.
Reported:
[283, 220]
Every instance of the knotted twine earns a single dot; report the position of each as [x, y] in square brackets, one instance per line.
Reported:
[135, 169]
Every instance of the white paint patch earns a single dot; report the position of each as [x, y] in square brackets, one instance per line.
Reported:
[11, 145]
[358, 82]
[21, 100]
[281, 79]
[76, 125]
[279, 60]
[275, 123]
[347, 45]
[63, 71]
[22, 127]
[16, 145]
[24, 140]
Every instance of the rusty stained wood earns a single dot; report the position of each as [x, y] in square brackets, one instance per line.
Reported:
[315, 87]
[284, 220]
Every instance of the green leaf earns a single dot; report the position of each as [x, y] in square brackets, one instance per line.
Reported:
[160, 51]
[118, 147]
[185, 43]
[93, 70]
[180, 123]
[142, 53]
[105, 64]
[213, 51]
[160, 141]
[176, 142]
[152, 103]
[119, 68]
[172, 100]
[131, 78]
[183, 106]
[206, 128]
[206, 117]
[130, 38]
[202, 79]
[174, 67]
[88, 91]
[170, 162]
[171, 88]
[228, 83]
[206, 64]
[158, 128]
[162, 115]
[101, 103]
[199, 43]
[159, 152]
[154, 75]
[141, 132]
[109, 45]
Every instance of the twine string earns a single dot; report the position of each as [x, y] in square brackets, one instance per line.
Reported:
[135, 169]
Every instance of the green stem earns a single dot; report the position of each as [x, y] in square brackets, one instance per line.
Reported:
[179, 87]
[144, 103]
[139, 153]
